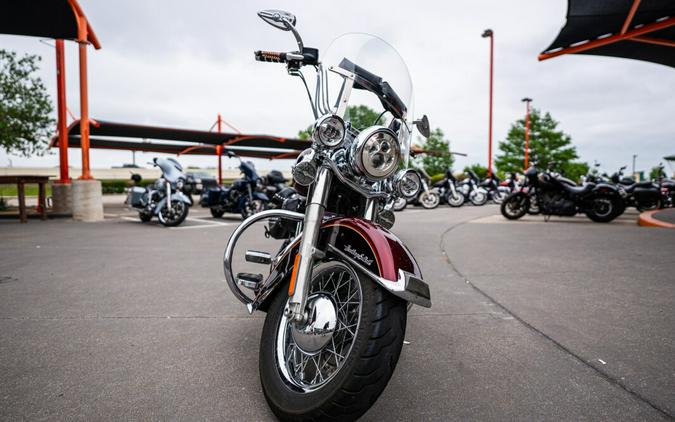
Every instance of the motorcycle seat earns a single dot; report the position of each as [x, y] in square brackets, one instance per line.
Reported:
[578, 190]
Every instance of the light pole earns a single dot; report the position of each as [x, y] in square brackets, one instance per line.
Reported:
[634, 157]
[489, 34]
[527, 102]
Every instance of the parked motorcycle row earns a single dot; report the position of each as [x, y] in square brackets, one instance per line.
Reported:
[170, 197]
[454, 192]
[601, 198]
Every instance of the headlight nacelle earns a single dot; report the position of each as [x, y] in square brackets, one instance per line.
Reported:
[375, 153]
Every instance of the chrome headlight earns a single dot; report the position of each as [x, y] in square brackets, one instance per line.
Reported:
[329, 130]
[407, 183]
[375, 153]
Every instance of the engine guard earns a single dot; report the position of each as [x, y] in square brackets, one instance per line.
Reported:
[372, 250]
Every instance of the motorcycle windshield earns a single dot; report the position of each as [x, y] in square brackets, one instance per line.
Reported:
[381, 82]
[171, 169]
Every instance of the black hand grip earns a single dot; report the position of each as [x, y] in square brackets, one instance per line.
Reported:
[270, 56]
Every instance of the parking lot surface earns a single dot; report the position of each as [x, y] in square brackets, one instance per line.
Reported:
[531, 320]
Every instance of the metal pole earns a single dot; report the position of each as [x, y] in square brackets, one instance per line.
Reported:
[489, 33]
[634, 157]
[219, 150]
[84, 112]
[527, 131]
[64, 177]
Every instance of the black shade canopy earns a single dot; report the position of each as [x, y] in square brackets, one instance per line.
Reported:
[633, 29]
[132, 137]
[58, 19]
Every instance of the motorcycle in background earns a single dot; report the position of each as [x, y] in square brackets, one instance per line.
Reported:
[449, 190]
[600, 202]
[339, 289]
[164, 198]
[495, 191]
[242, 197]
[641, 195]
[470, 188]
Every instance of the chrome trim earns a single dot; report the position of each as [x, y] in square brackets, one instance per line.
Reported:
[367, 193]
[313, 219]
[408, 287]
[232, 241]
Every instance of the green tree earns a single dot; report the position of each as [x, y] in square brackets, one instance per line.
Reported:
[547, 144]
[480, 170]
[655, 173]
[25, 107]
[360, 116]
[438, 158]
[574, 170]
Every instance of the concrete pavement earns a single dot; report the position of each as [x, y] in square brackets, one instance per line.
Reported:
[128, 321]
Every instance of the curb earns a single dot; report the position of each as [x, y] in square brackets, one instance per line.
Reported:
[647, 220]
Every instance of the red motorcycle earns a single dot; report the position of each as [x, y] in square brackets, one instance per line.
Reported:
[338, 291]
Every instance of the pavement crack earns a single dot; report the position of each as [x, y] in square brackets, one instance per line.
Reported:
[604, 375]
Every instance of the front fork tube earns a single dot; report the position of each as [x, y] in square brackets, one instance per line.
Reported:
[168, 197]
[299, 288]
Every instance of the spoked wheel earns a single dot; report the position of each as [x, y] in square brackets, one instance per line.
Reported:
[174, 215]
[252, 207]
[515, 206]
[429, 200]
[605, 209]
[498, 197]
[455, 200]
[400, 204]
[337, 364]
[478, 198]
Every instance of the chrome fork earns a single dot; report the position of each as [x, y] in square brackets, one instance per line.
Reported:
[308, 252]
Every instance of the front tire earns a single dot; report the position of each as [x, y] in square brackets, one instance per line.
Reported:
[355, 367]
[478, 198]
[217, 212]
[400, 204]
[515, 206]
[456, 200]
[252, 207]
[175, 215]
[429, 200]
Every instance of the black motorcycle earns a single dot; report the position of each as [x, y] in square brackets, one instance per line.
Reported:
[641, 195]
[495, 191]
[448, 189]
[273, 183]
[242, 197]
[600, 202]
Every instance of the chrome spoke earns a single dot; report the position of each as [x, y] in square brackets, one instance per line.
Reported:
[310, 371]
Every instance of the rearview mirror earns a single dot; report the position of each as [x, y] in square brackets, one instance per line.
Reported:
[423, 126]
[278, 18]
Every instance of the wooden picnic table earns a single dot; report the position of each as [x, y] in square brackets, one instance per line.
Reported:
[21, 181]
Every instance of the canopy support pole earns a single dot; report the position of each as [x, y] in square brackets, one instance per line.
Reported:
[64, 177]
[84, 99]
[219, 150]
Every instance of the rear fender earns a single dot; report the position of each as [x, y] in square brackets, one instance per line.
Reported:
[605, 188]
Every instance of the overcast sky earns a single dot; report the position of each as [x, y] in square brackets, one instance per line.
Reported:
[177, 63]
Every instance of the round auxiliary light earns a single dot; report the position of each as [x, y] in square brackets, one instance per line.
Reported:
[407, 183]
[375, 153]
[304, 170]
[329, 130]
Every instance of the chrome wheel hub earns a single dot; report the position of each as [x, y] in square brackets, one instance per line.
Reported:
[322, 320]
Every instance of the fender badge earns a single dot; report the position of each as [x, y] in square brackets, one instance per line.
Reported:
[359, 256]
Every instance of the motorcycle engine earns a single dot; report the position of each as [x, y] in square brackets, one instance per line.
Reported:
[557, 204]
[234, 196]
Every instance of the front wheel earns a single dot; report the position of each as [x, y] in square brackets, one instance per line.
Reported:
[429, 200]
[455, 199]
[174, 215]
[515, 206]
[478, 198]
[252, 207]
[400, 204]
[335, 366]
